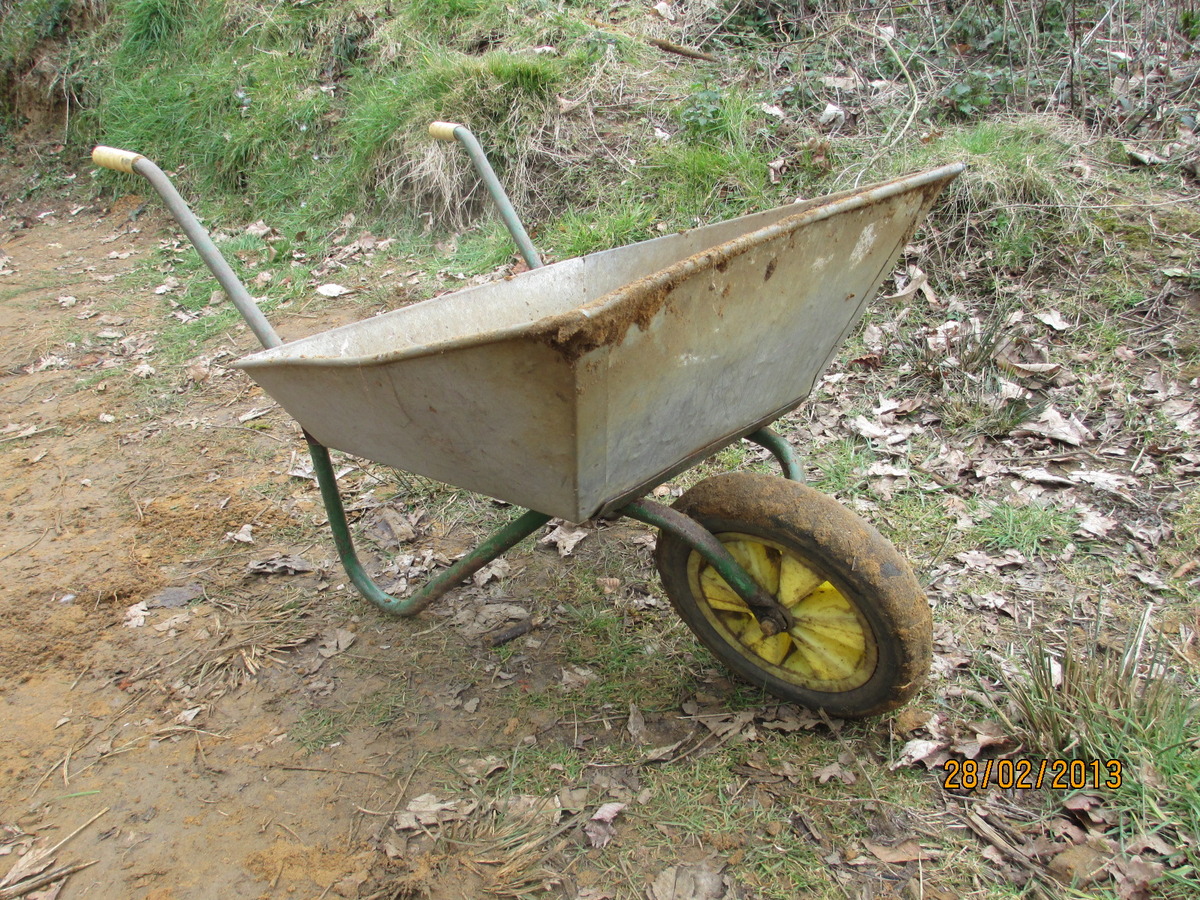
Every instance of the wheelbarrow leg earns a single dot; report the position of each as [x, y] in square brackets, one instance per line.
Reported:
[772, 616]
[498, 542]
[781, 450]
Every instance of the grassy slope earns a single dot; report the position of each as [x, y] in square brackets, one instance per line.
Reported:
[307, 111]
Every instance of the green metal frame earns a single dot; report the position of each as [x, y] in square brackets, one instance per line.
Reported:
[497, 543]
[781, 450]
[503, 205]
[772, 617]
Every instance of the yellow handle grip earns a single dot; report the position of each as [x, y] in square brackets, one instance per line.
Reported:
[443, 131]
[112, 158]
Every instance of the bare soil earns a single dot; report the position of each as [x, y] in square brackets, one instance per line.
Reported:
[173, 733]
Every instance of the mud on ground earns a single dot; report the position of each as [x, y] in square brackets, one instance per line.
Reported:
[196, 729]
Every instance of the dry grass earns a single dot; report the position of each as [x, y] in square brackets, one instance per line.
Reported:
[247, 634]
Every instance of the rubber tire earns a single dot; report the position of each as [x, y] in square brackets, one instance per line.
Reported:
[835, 543]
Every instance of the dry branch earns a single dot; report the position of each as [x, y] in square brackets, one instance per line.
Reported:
[32, 884]
[681, 50]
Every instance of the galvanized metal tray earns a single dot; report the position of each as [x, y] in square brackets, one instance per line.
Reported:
[568, 388]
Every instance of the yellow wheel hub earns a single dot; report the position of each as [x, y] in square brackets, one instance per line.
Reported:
[829, 648]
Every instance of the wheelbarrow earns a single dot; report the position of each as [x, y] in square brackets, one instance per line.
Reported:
[574, 389]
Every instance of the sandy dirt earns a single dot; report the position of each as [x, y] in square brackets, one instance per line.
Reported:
[166, 726]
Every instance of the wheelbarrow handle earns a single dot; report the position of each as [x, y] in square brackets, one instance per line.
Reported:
[135, 163]
[450, 131]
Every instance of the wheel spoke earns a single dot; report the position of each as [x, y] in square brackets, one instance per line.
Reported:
[826, 643]
[824, 660]
[760, 561]
[719, 594]
[796, 581]
[773, 649]
[843, 641]
[825, 604]
[827, 619]
[736, 622]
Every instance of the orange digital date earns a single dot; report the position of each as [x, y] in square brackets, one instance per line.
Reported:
[1031, 774]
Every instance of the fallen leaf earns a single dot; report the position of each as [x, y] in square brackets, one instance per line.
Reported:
[281, 565]
[493, 571]
[919, 750]
[1135, 877]
[477, 770]
[637, 723]
[1096, 525]
[664, 10]
[1152, 842]
[1052, 424]
[427, 810]
[978, 560]
[599, 828]
[1042, 476]
[834, 770]
[170, 625]
[565, 538]
[1105, 481]
[1053, 318]
[832, 116]
[244, 535]
[906, 851]
[665, 753]
[576, 677]
[333, 290]
[915, 280]
[336, 641]
[984, 735]
[696, 881]
[841, 83]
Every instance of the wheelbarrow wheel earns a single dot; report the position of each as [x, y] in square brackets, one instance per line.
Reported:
[860, 643]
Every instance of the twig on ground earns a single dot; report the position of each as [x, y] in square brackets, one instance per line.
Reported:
[681, 50]
[32, 884]
[325, 771]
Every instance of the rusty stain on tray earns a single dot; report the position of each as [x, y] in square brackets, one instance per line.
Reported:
[581, 330]
[606, 320]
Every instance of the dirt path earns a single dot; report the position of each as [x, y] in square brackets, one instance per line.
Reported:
[213, 732]
[115, 491]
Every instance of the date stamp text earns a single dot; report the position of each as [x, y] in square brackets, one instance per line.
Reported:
[1031, 774]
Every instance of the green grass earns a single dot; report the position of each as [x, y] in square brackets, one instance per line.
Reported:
[843, 467]
[580, 233]
[316, 729]
[1032, 529]
[703, 182]
[984, 413]
[1089, 704]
